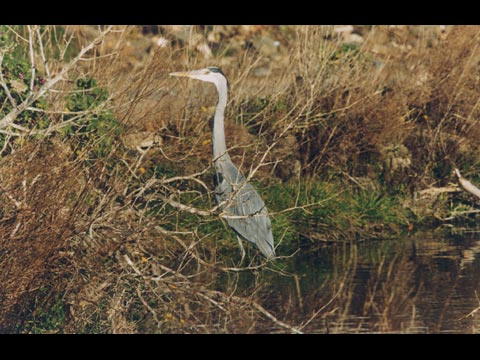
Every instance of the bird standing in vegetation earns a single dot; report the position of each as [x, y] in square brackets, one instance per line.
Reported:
[244, 209]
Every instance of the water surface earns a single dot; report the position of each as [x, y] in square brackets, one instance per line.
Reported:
[421, 283]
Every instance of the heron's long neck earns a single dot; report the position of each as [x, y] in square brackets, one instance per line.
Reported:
[219, 145]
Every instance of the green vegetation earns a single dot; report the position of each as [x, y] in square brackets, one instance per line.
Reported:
[49, 316]
[17, 76]
[99, 128]
[335, 213]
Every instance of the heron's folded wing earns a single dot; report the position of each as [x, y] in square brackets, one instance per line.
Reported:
[248, 216]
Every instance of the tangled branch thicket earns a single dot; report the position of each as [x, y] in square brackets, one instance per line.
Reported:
[87, 237]
[107, 220]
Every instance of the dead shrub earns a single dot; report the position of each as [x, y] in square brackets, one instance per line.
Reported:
[422, 98]
[39, 193]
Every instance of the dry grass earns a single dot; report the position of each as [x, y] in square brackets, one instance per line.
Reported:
[42, 198]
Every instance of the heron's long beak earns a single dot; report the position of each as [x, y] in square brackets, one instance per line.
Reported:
[191, 74]
[180, 73]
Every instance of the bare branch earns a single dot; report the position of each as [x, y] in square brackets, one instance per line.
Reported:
[258, 307]
[17, 203]
[32, 57]
[474, 311]
[467, 185]
[3, 84]
[209, 295]
[42, 52]
[187, 208]
[274, 319]
[34, 96]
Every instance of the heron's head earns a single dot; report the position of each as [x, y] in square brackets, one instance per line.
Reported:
[211, 74]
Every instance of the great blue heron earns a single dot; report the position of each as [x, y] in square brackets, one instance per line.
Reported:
[245, 212]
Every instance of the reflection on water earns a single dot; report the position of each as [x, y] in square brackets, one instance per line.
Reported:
[423, 283]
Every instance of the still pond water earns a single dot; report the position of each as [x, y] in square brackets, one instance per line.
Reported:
[421, 283]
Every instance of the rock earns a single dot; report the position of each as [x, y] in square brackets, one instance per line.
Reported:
[347, 32]
[189, 35]
[161, 41]
[343, 30]
[141, 139]
[204, 49]
[354, 39]
[181, 32]
[18, 85]
[261, 71]
[266, 45]
[397, 157]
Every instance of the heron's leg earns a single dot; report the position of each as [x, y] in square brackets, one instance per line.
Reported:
[242, 250]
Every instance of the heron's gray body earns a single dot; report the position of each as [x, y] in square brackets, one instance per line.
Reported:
[243, 208]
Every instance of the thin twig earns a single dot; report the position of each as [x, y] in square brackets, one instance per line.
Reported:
[3, 83]
[467, 185]
[32, 57]
[474, 311]
[258, 307]
[34, 96]
[42, 52]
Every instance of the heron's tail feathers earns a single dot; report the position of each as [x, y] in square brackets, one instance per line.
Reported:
[266, 249]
